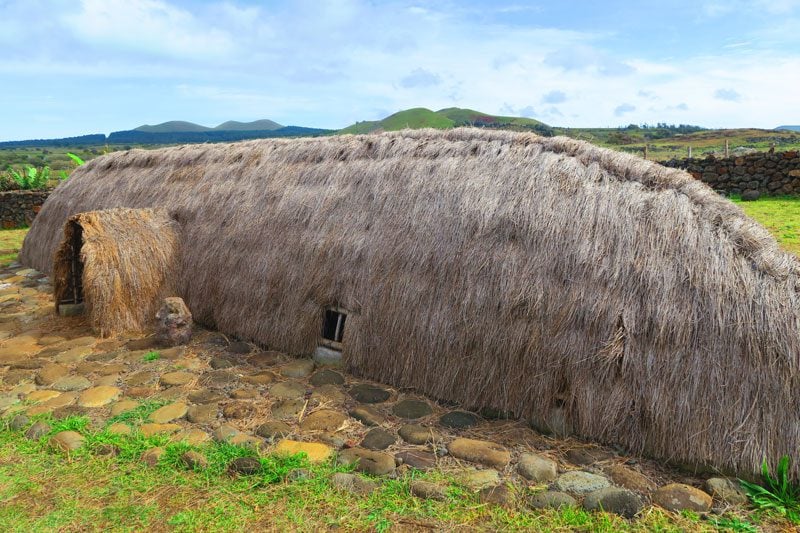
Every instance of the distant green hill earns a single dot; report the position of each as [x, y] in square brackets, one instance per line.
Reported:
[256, 125]
[181, 126]
[172, 126]
[791, 128]
[420, 117]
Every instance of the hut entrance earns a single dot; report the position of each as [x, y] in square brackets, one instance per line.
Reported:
[333, 328]
[330, 346]
[71, 301]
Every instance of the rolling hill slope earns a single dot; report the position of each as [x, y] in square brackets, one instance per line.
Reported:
[182, 126]
[420, 117]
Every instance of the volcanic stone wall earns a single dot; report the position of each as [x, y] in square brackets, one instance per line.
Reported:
[751, 175]
[17, 208]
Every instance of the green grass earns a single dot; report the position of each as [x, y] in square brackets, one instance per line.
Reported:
[780, 215]
[151, 356]
[702, 143]
[45, 490]
[138, 414]
[10, 244]
[778, 493]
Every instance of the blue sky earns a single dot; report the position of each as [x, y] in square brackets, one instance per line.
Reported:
[76, 67]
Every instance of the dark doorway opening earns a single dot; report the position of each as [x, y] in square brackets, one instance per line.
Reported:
[73, 295]
[333, 326]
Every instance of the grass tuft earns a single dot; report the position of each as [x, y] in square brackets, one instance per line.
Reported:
[151, 356]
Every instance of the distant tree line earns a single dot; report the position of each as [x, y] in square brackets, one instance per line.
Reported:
[634, 133]
[97, 138]
[141, 137]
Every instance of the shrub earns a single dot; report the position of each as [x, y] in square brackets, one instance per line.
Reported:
[30, 178]
[778, 493]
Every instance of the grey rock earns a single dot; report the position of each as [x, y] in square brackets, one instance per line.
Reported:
[176, 379]
[326, 357]
[475, 479]
[67, 441]
[629, 479]
[240, 347]
[479, 451]
[71, 383]
[297, 369]
[288, 409]
[417, 434]
[419, 459]
[326, 377]
[366, 393]
[498, 495]
[173, 322]
[37, 431]
[334, 440]
[428, 490]
[245, 466]
[219, 363]
[579, 482]
[194, 460]
[217, 378]
[287, 390]
[18, 422]
[152, 456]
[367, 415]
[412, 409]
[726, 490]
[368, 461]
[205, 396]
[323, 420]
[537, 468]
[238, 410]
[551, 499]
[378, 439]
[224, 433]
[679, 497]
[614, 500]
[274, 429]
[459, 420]
[265, 359]
[202, 413]
[587, 456]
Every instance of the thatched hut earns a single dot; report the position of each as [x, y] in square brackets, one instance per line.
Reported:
[544, 277]
[119, 264]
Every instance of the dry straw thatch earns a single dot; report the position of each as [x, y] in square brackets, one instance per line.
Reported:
[128, 257]
[495, 269]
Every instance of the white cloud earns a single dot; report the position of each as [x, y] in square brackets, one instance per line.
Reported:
[323, 63]
[554, 97]
[623, 109]
[729, 95]
[420, 77]
[149, 26]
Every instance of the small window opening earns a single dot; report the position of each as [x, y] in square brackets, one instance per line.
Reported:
[74, 292]
[333, 326]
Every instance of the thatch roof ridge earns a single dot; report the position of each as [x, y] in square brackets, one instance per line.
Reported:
[749, 237]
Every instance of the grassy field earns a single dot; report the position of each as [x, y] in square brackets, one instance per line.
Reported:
[780, 215]
[10, 243]
[55, 158]
[702, 143]
[45, 490]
